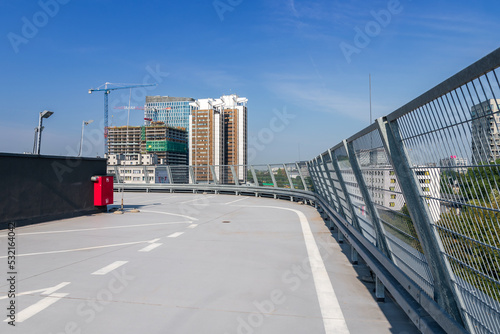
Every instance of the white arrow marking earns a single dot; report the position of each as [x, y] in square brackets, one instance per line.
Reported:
[46, 291]
[37, 307]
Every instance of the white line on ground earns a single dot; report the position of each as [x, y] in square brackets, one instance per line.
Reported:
[170, 214]
[55, 288]
[333, 318]
[45, 291]
[38, 307]
[79, 249]
[150, 247]
[154, 240]
[175, 235]
[192, 226]
[196, 199]
[100, 228]
[109, 268]
[153, 200]
[241, 199]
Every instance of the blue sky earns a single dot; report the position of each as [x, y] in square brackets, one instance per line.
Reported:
[282, 55]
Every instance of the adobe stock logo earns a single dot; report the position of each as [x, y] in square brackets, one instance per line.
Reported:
[373, 28]
[222, 6]
[30, 28]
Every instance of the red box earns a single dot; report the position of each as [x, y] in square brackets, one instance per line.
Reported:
[103, 190]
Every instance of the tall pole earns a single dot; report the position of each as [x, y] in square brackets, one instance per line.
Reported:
[39, 140]
[81, 140]
[106, 93]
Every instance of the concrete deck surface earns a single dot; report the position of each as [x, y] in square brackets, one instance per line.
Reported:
[192, 263]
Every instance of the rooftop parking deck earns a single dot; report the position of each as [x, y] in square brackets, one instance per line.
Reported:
[193, 263]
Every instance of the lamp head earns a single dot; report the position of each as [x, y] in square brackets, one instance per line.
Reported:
[46, 114]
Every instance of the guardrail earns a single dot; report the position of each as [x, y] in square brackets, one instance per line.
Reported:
[416, 194]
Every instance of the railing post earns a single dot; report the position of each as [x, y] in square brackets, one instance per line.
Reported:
[146, 175]
[235, 177]
[313, 178]
[117, 173]
[377, 225]
[255, 180]
[170, 178]
[191, 174]
[335, 163]
[289, 178]
[301, 177]
[272, 176]
[379, 290]
[319, 184]
[339, 209]
[445, 293]
[214, 176]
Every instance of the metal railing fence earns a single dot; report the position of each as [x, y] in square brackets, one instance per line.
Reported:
[422, 185]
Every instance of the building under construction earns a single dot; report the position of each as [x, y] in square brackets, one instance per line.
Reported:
[168, 143]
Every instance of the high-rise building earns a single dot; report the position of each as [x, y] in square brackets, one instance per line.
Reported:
[485, 131]
[218, 137]
[173, 111]
[205, 142]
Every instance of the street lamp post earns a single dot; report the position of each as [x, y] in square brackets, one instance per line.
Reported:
[81, 140]
[43, 114]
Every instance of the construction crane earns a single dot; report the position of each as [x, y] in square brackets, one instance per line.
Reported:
[106, 88]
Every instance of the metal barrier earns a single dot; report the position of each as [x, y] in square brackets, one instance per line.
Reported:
[416, 194]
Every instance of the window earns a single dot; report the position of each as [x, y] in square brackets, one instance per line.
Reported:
[393, 196]
[425, 189]
[392, 188]
[393, 180]
[392, 204]
[391, 172]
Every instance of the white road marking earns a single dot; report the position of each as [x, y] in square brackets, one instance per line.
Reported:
[196, 199]
[80, 249]
[55, 288]
[100, 228]
[154, 240]
[150, 247]
[333, 318]
[109, 268]
[38, 307]
[175, 235]
[46, 291]
[170, 214]
[153, 199]
[192, 226]
[241, 199]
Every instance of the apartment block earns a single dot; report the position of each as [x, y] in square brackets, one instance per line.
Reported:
[485, 122]
[218, 138]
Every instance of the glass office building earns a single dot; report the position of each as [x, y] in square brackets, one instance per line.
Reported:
[173, 111]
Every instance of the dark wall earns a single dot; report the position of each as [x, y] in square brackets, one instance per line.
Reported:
[37, 188]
